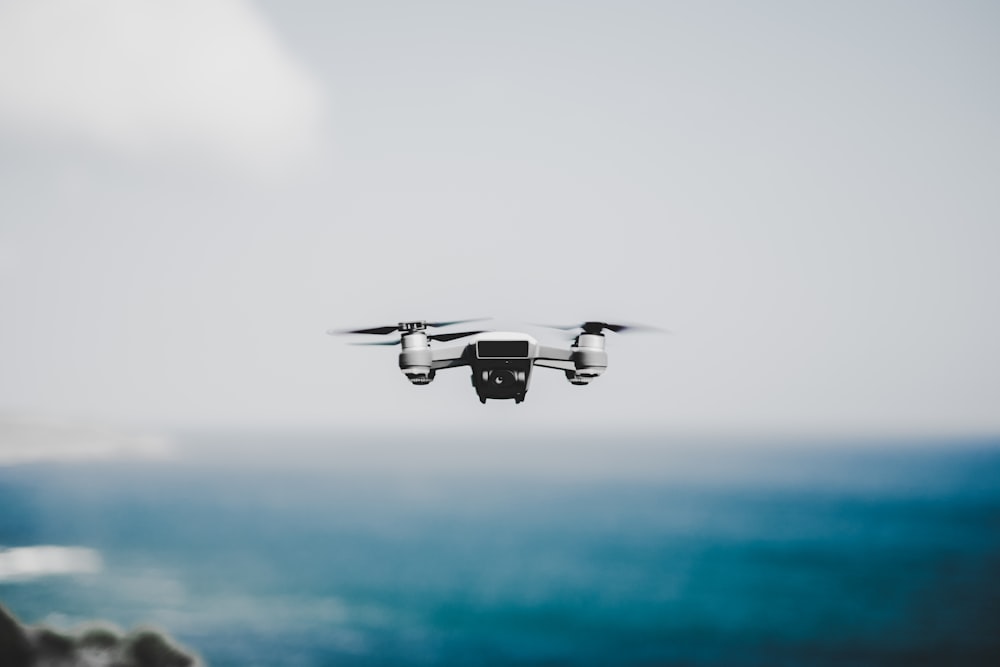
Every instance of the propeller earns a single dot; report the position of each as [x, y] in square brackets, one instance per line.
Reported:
[380, 342]
[453, 336]
[402, 326]
[600, 327]
[441, 337]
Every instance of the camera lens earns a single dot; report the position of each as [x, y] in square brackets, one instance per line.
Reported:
[502, 378]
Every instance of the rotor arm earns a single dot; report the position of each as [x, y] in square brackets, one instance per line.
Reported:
[554, 357]
[450, 357]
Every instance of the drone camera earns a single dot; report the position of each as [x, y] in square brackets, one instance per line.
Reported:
[501, 378]
[509, 380]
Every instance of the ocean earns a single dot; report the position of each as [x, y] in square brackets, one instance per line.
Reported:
[860, 553]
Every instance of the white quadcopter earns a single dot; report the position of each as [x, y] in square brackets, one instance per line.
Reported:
[501, 361]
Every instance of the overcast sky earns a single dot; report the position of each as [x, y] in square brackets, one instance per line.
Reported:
[806, 194]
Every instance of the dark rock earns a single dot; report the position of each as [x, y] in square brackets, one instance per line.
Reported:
[149, 649]
[50, 645]
[15, 649]
[99, 638]
[94, 647]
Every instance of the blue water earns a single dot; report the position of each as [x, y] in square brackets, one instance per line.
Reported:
[861, 556]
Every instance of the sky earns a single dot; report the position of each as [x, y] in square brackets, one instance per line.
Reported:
[803, 194]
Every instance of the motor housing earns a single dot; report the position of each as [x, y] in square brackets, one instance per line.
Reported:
[589, 358]
[415, 358]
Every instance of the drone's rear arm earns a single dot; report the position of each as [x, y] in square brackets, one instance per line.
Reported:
[554, 357]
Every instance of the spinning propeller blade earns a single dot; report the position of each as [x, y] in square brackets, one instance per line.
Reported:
[380, 331]
[390, 328]
[448, 324]
[600, 327]
[556, 326]
[453, 336]
[441, 337]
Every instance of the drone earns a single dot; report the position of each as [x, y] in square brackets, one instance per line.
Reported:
[501, 361]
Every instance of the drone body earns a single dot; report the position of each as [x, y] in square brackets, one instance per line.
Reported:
[501, 361]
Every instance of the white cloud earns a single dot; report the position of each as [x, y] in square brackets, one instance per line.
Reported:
[152, 78]
[39, 561]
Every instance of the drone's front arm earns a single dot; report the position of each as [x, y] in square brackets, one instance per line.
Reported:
[450, 357]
